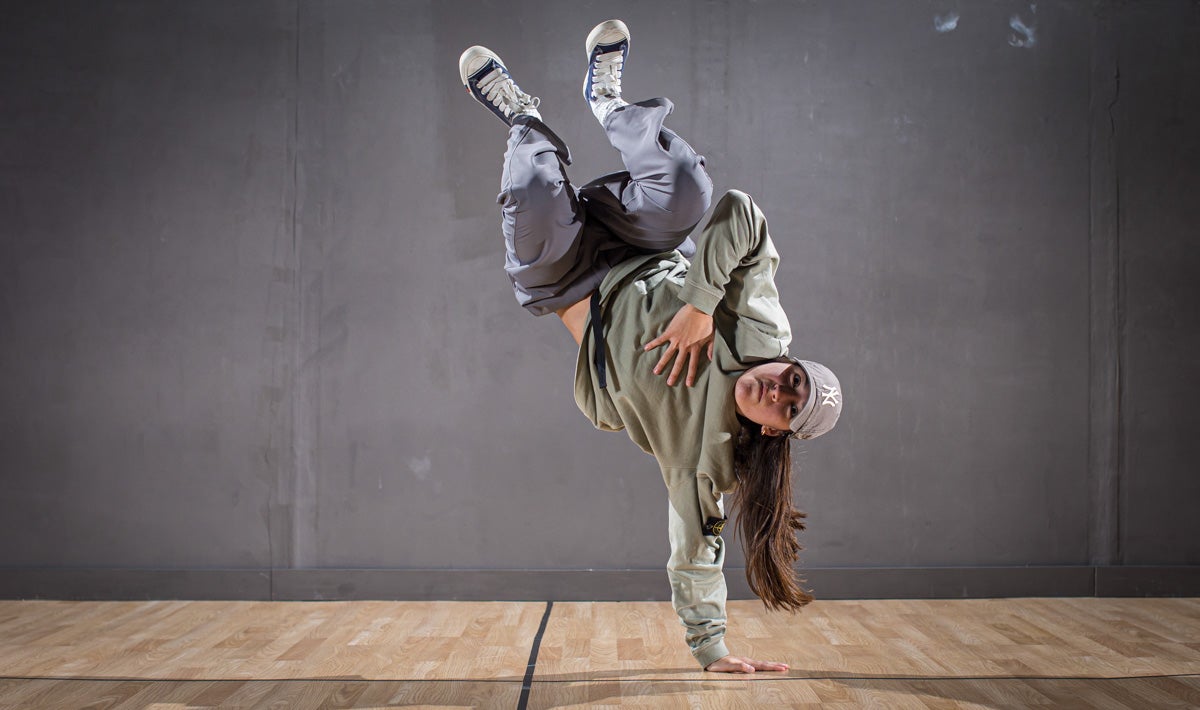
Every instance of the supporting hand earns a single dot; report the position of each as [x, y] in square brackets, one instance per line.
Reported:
[688, 334]
[741, 664]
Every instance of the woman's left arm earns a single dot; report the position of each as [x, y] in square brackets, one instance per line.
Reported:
[698, 590]
[697, 554]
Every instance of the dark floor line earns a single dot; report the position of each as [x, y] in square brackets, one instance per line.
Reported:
[527, 683]
[724, 678]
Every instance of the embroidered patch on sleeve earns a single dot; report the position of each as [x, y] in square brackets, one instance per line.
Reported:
[714, 526]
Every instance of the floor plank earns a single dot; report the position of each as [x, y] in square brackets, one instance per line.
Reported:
[1134, 694]
[1090, 637]
[294, 694]
[962, 653]
[268, 640]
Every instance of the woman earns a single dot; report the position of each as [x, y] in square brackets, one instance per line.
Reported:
[612, 261]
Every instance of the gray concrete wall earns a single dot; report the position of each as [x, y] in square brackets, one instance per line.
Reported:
[253, 313]
[1156, 122]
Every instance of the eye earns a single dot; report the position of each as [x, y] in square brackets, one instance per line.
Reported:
[795, 380]
[793, 411]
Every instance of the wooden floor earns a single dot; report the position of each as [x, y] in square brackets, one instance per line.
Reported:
[966, 653]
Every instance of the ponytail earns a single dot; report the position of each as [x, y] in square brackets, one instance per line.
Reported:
[767, 522]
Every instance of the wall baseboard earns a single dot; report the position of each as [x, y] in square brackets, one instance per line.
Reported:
[116, 583]
[586, 585]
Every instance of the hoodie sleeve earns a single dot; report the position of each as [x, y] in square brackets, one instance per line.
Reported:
[732, 278]
[734, 238]
[697, 582]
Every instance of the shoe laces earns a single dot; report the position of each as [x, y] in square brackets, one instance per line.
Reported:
[503, 92]
[606, 75]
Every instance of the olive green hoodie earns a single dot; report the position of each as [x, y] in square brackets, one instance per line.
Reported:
[689, 430]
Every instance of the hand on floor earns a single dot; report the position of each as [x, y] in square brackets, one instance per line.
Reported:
[739, 664]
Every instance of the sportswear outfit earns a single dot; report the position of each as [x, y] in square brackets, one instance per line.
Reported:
[622, 242]
[560, 241]
[624, 237]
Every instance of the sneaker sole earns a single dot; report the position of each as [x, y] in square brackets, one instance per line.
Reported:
[465, 62]
[618, 31]
[604, 27]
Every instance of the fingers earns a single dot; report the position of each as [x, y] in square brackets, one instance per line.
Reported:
[657, 341]
[738, 664]
[766, 665]
[693, 364]
[666, 358]
[679, 363]
[730, 664]
[689, 356]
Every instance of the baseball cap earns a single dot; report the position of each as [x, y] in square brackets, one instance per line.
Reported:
[824, 404]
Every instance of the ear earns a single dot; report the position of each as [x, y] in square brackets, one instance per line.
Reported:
[768, 431]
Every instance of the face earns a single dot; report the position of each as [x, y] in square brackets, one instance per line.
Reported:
[771, 394]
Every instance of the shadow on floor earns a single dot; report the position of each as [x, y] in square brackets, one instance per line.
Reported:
[794, 689]
[799, 688]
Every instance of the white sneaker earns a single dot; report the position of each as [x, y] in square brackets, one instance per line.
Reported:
[607, 47]
[487, 79]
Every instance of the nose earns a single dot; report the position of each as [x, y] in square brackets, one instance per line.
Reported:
[783, 393]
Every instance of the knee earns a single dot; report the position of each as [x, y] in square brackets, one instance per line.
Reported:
[736, 203]
[680, 204]
[541, 177]
[735, 199]
[693, 187]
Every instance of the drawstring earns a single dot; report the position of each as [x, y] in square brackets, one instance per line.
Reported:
[598, 339]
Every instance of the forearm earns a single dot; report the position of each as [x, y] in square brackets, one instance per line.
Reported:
[698, 594]
[698, 589]
[734, 240]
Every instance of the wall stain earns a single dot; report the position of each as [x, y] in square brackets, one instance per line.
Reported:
[1028, 32]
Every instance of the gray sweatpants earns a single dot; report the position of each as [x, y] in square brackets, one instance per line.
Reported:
[560, 241]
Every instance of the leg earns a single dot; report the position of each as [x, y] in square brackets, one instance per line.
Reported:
[546, 259]
[550, 259]
[669, 189]
[665, 190]
[541, 214]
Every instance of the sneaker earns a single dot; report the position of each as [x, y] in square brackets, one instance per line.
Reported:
[487, 79]
[607, 48]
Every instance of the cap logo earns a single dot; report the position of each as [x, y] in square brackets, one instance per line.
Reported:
[829, 396]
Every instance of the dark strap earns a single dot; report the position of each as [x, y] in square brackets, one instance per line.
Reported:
[598, 339]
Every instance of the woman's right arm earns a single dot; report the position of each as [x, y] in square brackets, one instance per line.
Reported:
[735, 238]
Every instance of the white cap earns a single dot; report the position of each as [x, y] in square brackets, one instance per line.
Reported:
[824, 404]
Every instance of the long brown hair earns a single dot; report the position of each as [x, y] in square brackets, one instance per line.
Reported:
[767, 522]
